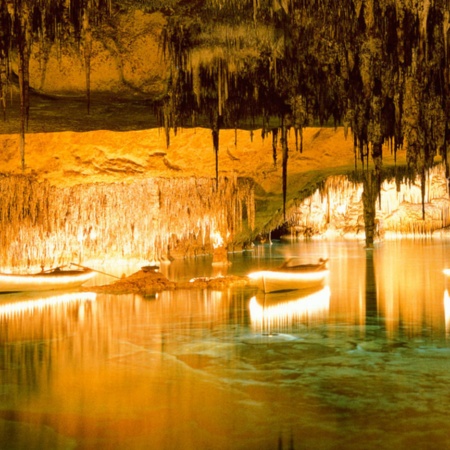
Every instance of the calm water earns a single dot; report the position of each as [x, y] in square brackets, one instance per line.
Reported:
[362, 364]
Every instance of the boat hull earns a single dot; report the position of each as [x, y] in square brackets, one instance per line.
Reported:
[44, 281]
[277, 280]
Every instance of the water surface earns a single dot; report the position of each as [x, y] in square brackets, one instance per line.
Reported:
[362, 363]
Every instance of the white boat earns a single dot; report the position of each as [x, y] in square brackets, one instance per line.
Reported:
[287, 277]
[45, 281]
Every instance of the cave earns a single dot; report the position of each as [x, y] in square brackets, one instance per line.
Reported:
[172, 149]
[255, 69]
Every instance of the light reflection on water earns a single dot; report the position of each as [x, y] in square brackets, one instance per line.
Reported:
[363, 363]
[283, 310]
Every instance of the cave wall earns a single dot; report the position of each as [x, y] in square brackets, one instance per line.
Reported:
[148, 220]
[336, 209]
[126, 60]
[379, 67]
[158, 219]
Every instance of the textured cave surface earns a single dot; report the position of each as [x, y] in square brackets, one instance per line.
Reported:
[279, 100]
[86, 198]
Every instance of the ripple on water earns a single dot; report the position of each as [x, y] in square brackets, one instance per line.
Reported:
[267, 338]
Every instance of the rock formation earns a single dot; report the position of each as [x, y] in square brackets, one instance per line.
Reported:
[376, 70]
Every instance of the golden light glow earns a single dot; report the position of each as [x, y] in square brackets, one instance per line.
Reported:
[269, 310]
[274, 280]
[399, 288]
[447, 311]
[32, 305]
[217, 239]
[398, 213]
[44, 282]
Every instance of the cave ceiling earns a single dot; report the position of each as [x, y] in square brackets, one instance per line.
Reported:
[377, 67]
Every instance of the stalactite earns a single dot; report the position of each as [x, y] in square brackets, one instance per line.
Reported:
[423, 191]
[285, 154]
[280, 55]
[167, 121]
[335, 208]
[362, 69]
[445, 155]
[380, 66]
[5, 38]
[274, 145]
[217, 121]
[25, 21]
[87, 42]
[371, 188]
[43, 225]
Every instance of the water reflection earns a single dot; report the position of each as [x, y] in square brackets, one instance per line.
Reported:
[14, 304]
[363, 363]
[371, 288]
[447, 311]
[410, 281]
[277, 312]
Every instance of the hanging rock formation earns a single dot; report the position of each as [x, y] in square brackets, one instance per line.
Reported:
[148, 220]
[336, 209]
[379, 68]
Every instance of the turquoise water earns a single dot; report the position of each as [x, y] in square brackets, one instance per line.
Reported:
[362, 363]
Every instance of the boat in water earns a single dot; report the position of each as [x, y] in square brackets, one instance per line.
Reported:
[291, 277]
[53, 279]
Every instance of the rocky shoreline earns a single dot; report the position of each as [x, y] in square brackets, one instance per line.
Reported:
[149, 282]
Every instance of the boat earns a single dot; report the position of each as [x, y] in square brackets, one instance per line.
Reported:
[291, 277]
[52, 279]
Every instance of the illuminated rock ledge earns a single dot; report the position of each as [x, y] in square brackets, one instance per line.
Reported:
[336, 209]
[105, 196]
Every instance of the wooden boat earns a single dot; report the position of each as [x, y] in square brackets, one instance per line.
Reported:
[290, 277]
[46, 280]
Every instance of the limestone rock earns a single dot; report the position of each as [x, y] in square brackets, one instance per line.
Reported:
[125, 60]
